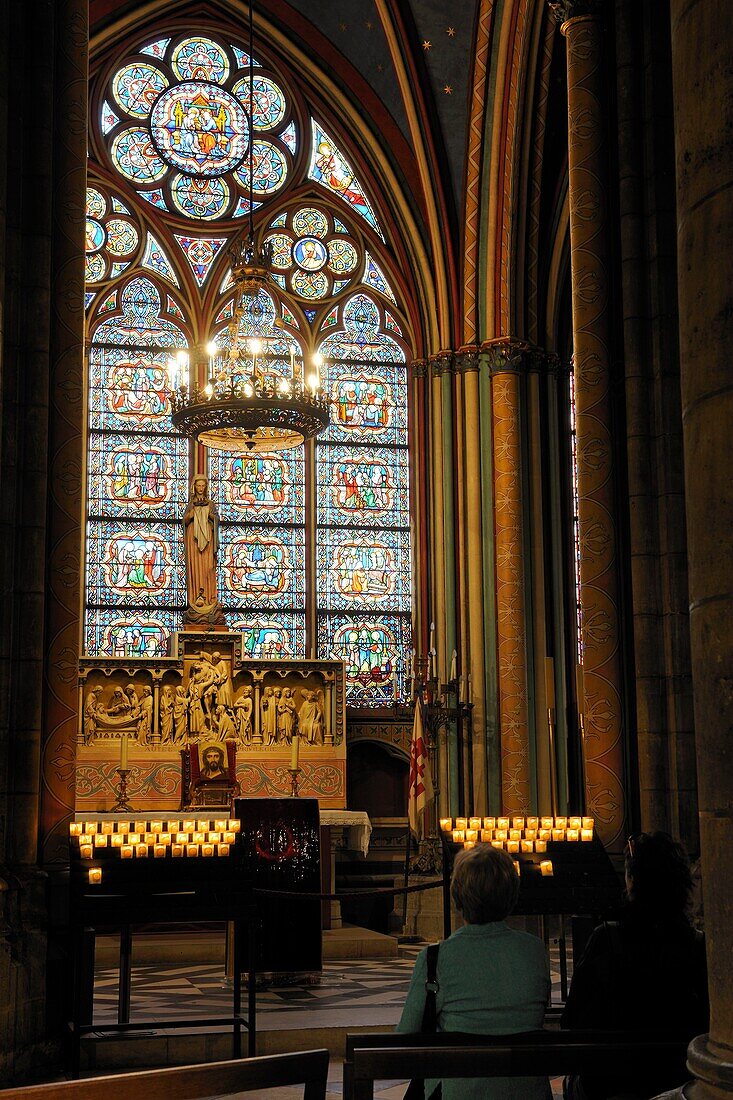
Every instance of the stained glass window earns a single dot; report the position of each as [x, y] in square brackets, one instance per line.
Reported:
[315, 537]
[363, 567]
[177, 125]
[137, 476]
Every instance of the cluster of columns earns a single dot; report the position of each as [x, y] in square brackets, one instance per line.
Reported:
[703, 85]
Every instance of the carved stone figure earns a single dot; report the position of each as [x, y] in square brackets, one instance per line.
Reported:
[133, 700]
[92, 712]
[268, 709]
[166, 714]
[180, 707]
[225, 726]
[196, 716]
[287, 716]
[224, 693]
[201, 545]
[243, 705]
[310, 717]
[145, 721]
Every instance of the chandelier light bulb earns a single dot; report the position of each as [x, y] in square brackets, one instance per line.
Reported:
[182, 358]
[248, 391]
[313, 382]
[284, 386]
[317, 360]
[255, 346]
[209, 389]
[211, 348]
[172, 371]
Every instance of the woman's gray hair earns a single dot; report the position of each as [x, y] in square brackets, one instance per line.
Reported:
[484, 885]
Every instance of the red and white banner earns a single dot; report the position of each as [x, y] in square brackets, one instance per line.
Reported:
[420, 792]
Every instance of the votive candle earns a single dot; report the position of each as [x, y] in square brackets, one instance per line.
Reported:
[182, 838]
[95, 874]
[213, 837]
[199, 837]
[220, 825]
[234, 824]
[575, 822]
[126, 851]
[173, 826]
[547, 822]
[487, 835]
[458, 836]
[159, 851]
[515, 834]
[222, 849]
[469, 844]
[150, 838]
[100, 840]
[461, 823]
[202, 826]
[134, 838]
[446, 824]
[472, 834]
[207, 849]
[75, 828]
[90, 827]
[140, 827]
[544, 834]
[164, 838]
[189, 825]
[108, 827]
[123, 827]
[86, 838]
[512, 846]
[572, 834]
[533, 822]
[156, 826]
[540, 845]
[546, 867]
[177, 850]
[530, 834]
[229, 837]
[85, 851]
[502, 822]
[474, 822]
[527, 845]
[558, 834]
[517, 822]
[587, 822]
[586, 834]
[192, 849]
[501, 834]
[141, 850]
[561, 823]
[489, 823]
[116, 840]
[497, 843]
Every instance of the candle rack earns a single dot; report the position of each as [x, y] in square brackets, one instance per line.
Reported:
[295, 774]
[122, 803]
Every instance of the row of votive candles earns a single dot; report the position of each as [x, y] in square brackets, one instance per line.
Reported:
[518, 834]
[189, 837]
[546, 869]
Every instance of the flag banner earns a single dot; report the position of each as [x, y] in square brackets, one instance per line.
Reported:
[420, 792]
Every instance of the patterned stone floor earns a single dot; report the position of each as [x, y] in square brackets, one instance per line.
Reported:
[353, 993]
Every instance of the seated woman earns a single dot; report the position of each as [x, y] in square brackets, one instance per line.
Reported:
[645, 973]
[492, 979]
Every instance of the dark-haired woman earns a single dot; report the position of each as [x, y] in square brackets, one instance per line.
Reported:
[644, 973]
[492, 980]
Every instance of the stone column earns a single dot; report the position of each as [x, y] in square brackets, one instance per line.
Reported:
[467, 364]
[66, 444]
[582, 25]
[506, 358]
[702, 46]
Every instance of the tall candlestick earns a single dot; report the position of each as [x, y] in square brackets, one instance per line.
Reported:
[294, 748]
[123, 752]
[453, 665]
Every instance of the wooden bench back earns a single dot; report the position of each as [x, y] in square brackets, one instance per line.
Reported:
[532, 1054]
[192, 1082]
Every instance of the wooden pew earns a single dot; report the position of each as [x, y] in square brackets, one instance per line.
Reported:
[192, 1082]
[376, 1057]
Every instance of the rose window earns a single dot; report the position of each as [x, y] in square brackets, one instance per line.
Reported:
[177, 119]
[112, 236]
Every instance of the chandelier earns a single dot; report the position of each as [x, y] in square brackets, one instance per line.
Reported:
[246, 403]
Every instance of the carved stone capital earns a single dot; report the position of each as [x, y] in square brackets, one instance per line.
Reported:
[566, 10]
[419, 368]
[441, 363]
[506, 354]
[467, 359]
